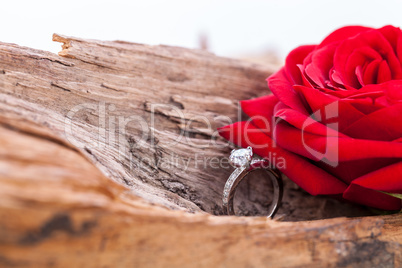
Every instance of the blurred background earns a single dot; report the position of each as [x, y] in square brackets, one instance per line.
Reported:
[256, 30]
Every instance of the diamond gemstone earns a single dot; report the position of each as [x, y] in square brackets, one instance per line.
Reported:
[241, 157]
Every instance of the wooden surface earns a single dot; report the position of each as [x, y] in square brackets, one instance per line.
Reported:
[80, 190]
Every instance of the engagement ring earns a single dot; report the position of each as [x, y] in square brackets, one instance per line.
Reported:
[242, 160]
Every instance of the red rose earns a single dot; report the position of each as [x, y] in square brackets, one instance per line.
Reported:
[335, 117]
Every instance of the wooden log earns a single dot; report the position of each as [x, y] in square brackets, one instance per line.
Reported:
[107, 159]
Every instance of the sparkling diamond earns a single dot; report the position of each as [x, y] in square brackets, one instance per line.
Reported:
[241, 157]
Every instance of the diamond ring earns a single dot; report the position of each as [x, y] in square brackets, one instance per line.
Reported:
[242, 160]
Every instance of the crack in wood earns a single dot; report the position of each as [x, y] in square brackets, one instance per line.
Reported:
[58, 86]
[65, 63]
[109, 87]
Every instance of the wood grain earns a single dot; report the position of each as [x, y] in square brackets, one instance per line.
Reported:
[102, 163]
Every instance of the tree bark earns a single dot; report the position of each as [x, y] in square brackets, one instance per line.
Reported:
[109, 157]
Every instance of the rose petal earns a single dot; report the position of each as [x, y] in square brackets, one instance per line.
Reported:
[311, 178]
[336, 79]
[302, 121]
[260, 110]
[306, 80]
[280, 86]
[366, 105]
[393, 91]
[325, 108]
[383, 125]
[398, 140]
[295, 57]
[349, 171]
[392, 34]
[371, 198]
[314, 97]
[321, 64]
[371, 38]
[387, 179]
[359, 57]
[311, 146]
[384, 73]
[371, 72]
[359, 74]
[342, 34]
[340, 149]
[399, 48]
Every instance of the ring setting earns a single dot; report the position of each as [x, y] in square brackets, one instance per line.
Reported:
[241, 157]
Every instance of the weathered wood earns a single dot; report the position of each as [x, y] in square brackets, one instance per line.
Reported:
[79, 188]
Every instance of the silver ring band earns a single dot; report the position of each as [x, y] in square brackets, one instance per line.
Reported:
[242, 160]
